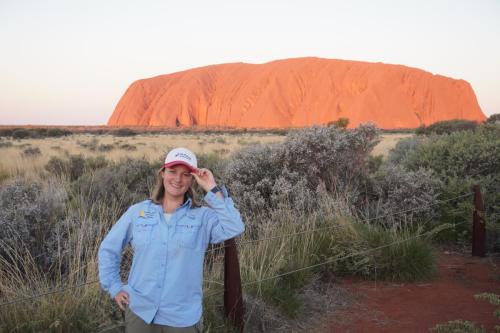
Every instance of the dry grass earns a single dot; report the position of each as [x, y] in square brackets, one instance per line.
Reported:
[150, 147]
[387, 142]
[258, 261]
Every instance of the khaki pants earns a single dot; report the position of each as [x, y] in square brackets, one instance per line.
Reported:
[134, 324]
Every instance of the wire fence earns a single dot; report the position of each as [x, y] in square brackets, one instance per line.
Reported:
[277, 276]
[19, 300]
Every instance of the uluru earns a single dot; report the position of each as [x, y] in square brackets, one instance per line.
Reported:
[296, 92]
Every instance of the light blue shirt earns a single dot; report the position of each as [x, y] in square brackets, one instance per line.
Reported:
[165, 280]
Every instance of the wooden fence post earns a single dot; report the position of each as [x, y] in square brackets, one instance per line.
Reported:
[233, 298]
[478, 226]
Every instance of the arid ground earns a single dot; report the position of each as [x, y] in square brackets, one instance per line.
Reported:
[417, 307]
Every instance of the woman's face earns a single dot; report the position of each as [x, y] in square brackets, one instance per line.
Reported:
[177, 179]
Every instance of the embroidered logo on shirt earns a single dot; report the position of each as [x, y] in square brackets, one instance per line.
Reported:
[145, 214]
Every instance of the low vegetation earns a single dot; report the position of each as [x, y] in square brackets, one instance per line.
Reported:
[465, 326]
[315, 204]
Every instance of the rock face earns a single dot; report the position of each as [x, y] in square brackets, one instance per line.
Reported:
[295, 93]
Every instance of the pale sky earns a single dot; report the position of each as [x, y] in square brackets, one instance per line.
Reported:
[68, 62]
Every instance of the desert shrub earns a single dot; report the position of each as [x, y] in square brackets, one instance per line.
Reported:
[31, 152]
[105, 147]
[328, 155]
[115, 186]
[340, 123]
[398, 255]
[124, 132]
[493, 119]
[74, 166]
[396, 189]
[57, 132]
[460, 160]
[28, 214]
[6, 132]
[403, 148]
[250, 174]
[5, 144]
[20, 133]
[128, 147]
[262, 177]
[90, 145]
[447, 127]
[374, 163]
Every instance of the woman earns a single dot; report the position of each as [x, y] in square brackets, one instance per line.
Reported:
[169, 235]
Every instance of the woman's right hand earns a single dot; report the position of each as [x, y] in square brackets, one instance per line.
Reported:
[122, 300]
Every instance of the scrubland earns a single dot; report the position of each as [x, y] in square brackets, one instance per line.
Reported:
[318, 203]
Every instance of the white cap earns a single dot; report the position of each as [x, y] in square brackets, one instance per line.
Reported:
[181, 156]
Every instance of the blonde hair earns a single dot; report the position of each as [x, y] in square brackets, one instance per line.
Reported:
[159, 191]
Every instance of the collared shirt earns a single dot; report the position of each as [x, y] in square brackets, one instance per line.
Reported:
[165, 280]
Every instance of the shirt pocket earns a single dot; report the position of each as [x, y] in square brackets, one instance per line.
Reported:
[188, 232]
[143, 229]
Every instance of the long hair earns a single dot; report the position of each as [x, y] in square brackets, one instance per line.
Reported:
[159, 191]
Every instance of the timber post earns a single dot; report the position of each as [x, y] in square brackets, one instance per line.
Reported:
[478, 225]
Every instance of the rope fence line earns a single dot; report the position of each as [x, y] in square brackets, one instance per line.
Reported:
[60, 290]
[337, 227]
[330, 260]
[337, 258]
[20, 300]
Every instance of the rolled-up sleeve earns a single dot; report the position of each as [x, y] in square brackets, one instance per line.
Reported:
[110, 254]
[223, 218]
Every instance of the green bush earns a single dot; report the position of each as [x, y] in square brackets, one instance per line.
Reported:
[57, 132]
[447, 127]
[74, 166]
[116, 186]
[400, 256]
[21, 134]
[459, 160]
[124, 132]
[493, 119]
[340, 123]
[6, 132]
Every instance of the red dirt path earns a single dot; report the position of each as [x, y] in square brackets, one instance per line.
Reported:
[389, 307]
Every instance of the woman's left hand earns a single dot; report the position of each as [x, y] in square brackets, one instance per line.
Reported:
[204, 178]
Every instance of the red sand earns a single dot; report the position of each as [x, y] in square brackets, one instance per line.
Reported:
[296, 93]
[388, 307]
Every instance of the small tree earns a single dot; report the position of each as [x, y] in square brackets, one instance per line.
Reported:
[340, 123]
[493, 119]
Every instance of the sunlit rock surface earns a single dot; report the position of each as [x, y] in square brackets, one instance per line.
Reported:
[295, 93]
